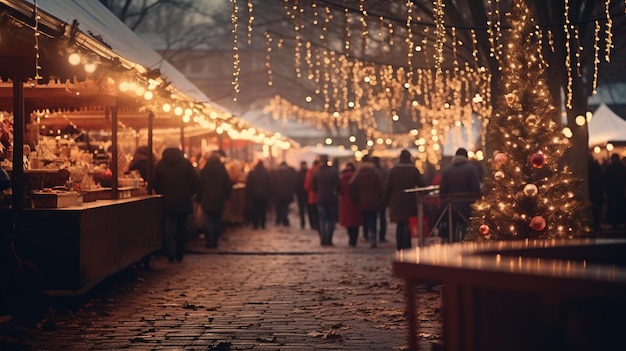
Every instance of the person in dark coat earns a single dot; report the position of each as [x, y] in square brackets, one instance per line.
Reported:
[402, 205]
[326, 185]
[302, 195]
[259, 190]
[349, 213]
[615, 185]
[215, 189]
[141, 160]
[283, 188]
[460, 186]
[367, 185]
[382, 215]
[177, 181]
[311, 196]
[596, 190]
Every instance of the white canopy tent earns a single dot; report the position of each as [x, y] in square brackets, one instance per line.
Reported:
[606, 126]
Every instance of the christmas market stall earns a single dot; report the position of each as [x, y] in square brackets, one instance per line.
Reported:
[75, 83]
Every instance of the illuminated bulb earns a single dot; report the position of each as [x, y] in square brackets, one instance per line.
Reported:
[530, 190]
[308, 99]
[328, 141]
[178, 111]
[352, 138]
[188, 112]
[124, 86]
[139, 90]
[74, 59]
[148, 95]
[589, 115]
[395, 118]
[580, 120]
[166, 107]
[186, 119]
[90, 67]
[567, 132]
[609, 147]
[351, 104]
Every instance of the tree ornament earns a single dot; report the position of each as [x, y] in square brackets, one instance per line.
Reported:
[501, 158]
[531, 120]
[484, 229]
[537, 223]
[499, 175]
[530, 190]
[510, 99]
[538, 160]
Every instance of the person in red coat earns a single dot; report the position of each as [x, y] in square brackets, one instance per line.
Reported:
[312, 200]
[349, 213]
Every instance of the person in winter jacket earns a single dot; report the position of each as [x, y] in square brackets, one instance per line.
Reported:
[326, 185]
[382, 214]
[177, 181]
[349, 213]
[283, 188]
[402, 205]
[215, 189]
[259, 190]
[367, 185]
[312, 197]
[460, 186]
[302, 195]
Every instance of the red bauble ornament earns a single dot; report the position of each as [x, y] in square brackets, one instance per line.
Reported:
[537, 223]
[538, 160]
[501, 158]
[484, 229]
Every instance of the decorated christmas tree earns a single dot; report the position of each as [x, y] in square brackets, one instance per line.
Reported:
[528, 192]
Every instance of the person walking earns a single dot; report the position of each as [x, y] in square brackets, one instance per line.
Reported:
[367, 187]
[460, 187]
[312, 197]
[215, 189]
[326, 185]
[302, 195]
[283, 189]
[402, 205]
[615, 185]
[259, 190]
[177, 181]
[349, 213]
[382, 215]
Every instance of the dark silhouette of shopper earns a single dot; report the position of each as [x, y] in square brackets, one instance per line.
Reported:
[301, 194]
[259, 190]
[283, 189]
[177, 181]
[382, 215]
[460, 186]
[326, 185]
[402, 205]
[312, 196]
[615, 185]
[215, 189]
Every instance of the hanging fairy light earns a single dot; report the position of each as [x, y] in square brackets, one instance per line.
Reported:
[236, 59]
[409, 37]
[250, 20]
[609, 31]
[440, 32]
[596, 57]
[268, 53]
[568, 52]
[37, 34]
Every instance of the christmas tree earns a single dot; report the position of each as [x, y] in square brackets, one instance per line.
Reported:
[528, 192]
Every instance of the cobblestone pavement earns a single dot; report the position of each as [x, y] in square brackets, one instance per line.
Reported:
[273, 289]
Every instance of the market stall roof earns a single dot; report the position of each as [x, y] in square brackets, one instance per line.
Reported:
[96, 20]
[606, 126]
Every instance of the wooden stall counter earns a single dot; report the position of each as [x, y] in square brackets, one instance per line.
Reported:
[523, 295]
[75, 248]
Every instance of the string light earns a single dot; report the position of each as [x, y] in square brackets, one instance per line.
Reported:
[37, 34]
[609, 31]
[236, 60]
[440, 32]
[596, 58]
[268, 53]
[568, 53]
[409, 37]
[250, 20]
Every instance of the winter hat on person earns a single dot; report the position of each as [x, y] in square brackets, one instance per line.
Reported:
[405, 156]
[461, 152]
